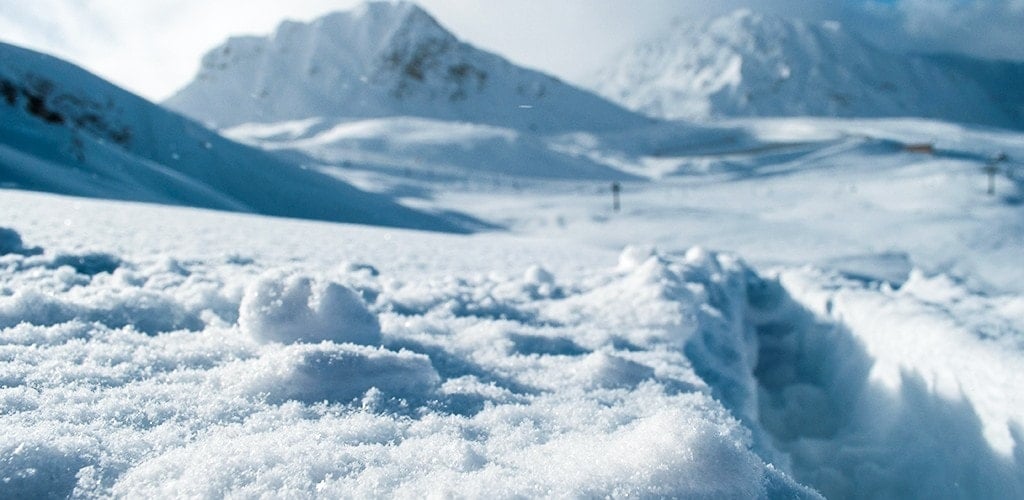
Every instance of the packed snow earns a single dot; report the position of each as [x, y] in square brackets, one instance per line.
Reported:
[780, 308]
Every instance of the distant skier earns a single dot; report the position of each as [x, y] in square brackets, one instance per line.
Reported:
[616, 188]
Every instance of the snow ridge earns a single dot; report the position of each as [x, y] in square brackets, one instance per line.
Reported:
[378, 60]
[748, 64]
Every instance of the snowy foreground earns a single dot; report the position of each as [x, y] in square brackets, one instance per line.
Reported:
[157, 351]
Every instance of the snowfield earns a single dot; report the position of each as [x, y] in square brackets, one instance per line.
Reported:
[158, 351]
[336, 360]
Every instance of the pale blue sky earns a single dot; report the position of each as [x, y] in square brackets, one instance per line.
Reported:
[153, 47]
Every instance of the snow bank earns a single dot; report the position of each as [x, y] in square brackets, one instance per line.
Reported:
[870, 391]
[293, 308]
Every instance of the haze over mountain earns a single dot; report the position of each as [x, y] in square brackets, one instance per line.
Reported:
[381, 60]
[747, 64]
[65, 130]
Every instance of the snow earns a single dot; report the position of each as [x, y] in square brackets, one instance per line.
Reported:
[782, 308]
[500, 366]
[290, 309]
[421, 147]
[749, 64]
[477, 385]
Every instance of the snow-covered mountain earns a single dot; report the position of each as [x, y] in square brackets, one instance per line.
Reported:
[65, 130]
[747, 64]
[380, 60]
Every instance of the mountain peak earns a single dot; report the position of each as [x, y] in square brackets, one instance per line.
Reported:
[401, 11]
[381, 59]
[386, 18]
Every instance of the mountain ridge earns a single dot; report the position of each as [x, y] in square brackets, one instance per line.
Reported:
[750, 64]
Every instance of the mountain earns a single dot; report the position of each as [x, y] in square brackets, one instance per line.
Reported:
[747, 64]
[382, 60]
[65, 130]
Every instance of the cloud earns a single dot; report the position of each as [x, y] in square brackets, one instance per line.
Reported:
[986, 28]
[152, 47]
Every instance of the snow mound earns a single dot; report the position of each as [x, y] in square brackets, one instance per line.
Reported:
[747, 64]
[294, 308]
[314, 373]
[382, 59]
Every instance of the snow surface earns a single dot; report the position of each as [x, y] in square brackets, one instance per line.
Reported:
[382, 59]
[215, 354]
[480, 383]
[748, 64]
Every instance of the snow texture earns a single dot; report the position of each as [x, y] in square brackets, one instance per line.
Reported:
[455, 400]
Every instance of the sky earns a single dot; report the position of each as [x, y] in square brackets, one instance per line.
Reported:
[153, 47]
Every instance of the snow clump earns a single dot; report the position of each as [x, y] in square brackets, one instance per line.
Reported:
[293, 308]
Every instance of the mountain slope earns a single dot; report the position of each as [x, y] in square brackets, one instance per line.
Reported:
[67, 131]
[381, 60]
[746, 64]
[419, 147]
